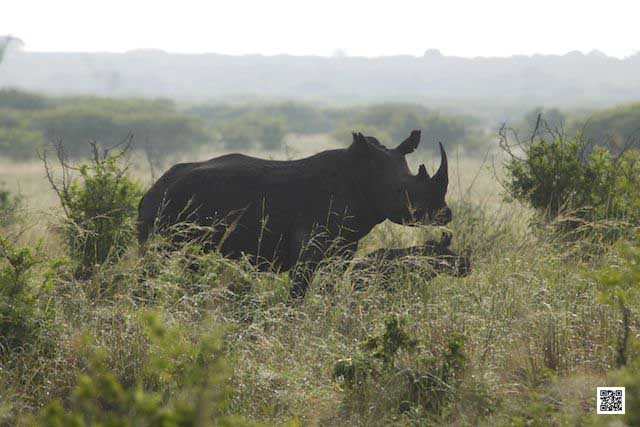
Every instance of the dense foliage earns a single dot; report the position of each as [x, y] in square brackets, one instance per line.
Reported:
[100, 207]
[184, 385]
[25, 311]
[299, 117]
[29, 121]
[617, 127]
[9, 205]
[253, 130]
[188, 338]
[14, 99]
[417, 378]
[557, 175]
[532, 323]
[620, 291]
[392, 122]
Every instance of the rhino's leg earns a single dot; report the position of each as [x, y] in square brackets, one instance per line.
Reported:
[308, 249]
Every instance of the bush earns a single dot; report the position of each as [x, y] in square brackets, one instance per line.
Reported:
[629, 377]
[558, 175]
[184, 386]
[400, 375]
[25, 312]
[100, 207]
[620, 291]
[9, 205]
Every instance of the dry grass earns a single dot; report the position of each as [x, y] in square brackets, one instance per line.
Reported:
[535, 335]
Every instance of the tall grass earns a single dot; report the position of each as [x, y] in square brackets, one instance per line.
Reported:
[535, 338]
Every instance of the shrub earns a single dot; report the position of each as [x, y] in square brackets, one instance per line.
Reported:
[184, 386]
[99, 207]
[620, 291]
[25, 312]
[9, 205]
[558, 175]
[401, 375]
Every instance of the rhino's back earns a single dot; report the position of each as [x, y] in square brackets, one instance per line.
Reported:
[234, 181]
[218, 187]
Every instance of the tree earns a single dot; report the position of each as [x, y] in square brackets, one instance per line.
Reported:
[5, 41]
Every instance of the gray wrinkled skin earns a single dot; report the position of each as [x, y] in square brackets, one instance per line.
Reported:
[289, 215]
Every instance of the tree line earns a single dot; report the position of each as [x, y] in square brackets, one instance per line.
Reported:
[28, 121]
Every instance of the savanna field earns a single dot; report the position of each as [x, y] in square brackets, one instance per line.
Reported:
[548, 313]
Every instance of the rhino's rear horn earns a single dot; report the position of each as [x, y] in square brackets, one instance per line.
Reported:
[442, 176]
[410, 144]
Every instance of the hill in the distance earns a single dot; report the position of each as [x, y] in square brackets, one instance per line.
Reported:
[571, 80]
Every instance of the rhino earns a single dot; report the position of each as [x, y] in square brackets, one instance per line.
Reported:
[290, 215]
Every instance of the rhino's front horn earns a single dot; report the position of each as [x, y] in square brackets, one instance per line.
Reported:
[442, 176]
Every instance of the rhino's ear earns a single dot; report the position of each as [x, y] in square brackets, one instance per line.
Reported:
[422, 173]
[359, 144]
[410, 144]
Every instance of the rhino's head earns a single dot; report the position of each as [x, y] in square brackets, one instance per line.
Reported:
[397, 194]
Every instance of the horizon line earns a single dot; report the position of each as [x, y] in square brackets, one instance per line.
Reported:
[433, 53]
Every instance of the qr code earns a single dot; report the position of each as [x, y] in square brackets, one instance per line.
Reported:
[610, 400]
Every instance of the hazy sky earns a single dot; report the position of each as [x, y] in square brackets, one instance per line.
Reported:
[368, 28]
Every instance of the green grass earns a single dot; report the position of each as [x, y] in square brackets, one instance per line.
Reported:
[536, 339]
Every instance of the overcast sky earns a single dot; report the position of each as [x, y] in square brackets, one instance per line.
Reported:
[361, 28]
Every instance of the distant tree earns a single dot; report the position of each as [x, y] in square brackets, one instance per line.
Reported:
[618, 127]
[551, 118]
[5, 41]
[29, 120]
[16, 99]
[392, 122]
[339, 53]
[3, 46]
[254, 130]
[432, 53]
